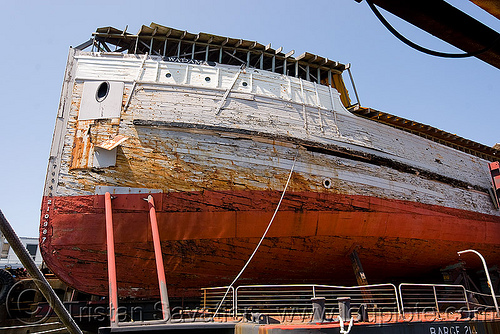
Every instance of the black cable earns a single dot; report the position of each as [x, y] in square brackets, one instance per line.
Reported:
[421, 48]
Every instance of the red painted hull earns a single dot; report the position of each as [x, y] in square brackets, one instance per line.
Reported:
[208, 236]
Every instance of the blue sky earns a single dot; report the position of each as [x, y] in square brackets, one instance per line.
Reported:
[461, 96]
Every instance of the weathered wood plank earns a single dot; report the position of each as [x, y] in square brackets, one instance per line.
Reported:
[173, 160]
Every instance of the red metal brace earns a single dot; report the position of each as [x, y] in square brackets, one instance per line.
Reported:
[159, 260]
[110, 246]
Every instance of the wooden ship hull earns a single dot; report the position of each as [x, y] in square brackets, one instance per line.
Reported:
[212, 127]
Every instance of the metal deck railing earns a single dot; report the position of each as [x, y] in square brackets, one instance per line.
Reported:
[295, 299]
[435, 298]
[293, 302]
[212, 297]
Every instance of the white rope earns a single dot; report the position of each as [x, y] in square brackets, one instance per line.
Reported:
[342, 330]
[261, 239]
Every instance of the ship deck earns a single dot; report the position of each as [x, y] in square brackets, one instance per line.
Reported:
[454, 327]
[383, 308]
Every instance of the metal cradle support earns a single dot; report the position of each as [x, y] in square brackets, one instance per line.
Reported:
[360, 275]
[358, 268]
[110, 246]
[159, 260]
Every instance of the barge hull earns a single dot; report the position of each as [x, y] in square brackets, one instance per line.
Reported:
[207, 237]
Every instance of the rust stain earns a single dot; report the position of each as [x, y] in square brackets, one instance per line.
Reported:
[82, 146]
[91, 133]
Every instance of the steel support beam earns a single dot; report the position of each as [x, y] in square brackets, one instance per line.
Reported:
[37, 276]
[448, 23]
[491, 6]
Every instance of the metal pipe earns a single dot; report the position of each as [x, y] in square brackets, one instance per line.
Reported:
[235, 299]
[352, 82]
[110, 247]
[235, 304]
[204, 299]
[159, 260]
[435, 299]
[37, 276]
[487, 275]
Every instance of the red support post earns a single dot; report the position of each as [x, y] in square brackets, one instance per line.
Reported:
[110, 246]
[159, 260]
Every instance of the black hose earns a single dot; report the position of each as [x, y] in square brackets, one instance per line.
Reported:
[421, 48]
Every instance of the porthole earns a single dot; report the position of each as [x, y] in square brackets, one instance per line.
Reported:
[244, 84]
[102, 91]
[168, 75]
[207, 79]
[327, 183]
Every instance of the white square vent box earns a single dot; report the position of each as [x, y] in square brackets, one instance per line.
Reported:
[101, 99]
